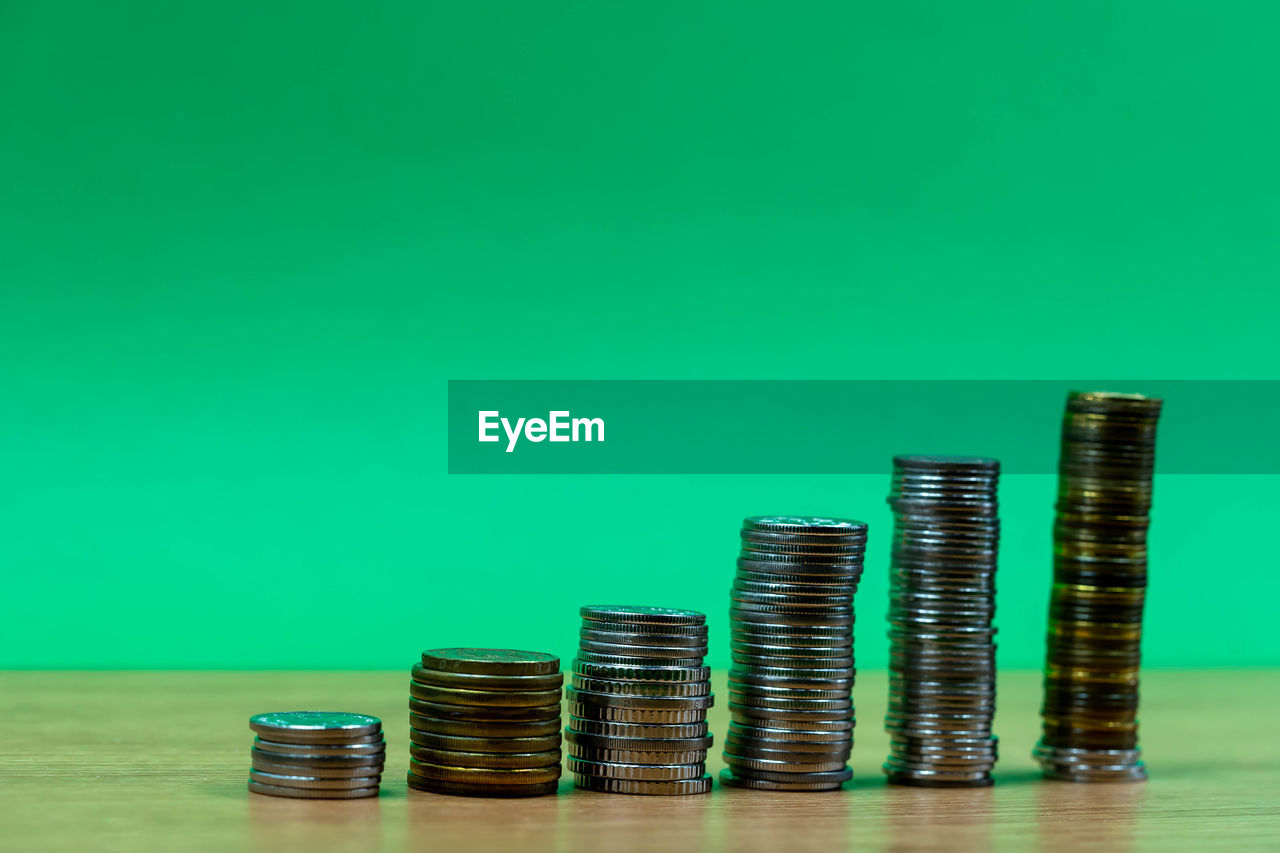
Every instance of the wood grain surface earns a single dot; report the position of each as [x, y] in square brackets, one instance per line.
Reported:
[158, 761]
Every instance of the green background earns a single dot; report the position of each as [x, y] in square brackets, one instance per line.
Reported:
[244, 245]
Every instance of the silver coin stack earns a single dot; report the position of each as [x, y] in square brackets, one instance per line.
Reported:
[316, 755]
[638, 702]
[942, 658]
[792, 642]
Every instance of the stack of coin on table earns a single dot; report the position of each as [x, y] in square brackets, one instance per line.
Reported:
[942, 658]
[1100, 577]
[639, 700]
[485, 723]
[317, 755]
[790, 684]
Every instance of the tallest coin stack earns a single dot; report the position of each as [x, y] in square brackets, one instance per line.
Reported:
[791, 710]
[1099, 585]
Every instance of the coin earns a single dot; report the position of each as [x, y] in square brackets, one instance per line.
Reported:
[488, 699]
[642, 614]
[485, 728]
[469, 680]
[311, 793]
[316, 770]
[485, 744]
[490, 661]
[636, 786]
[466, 789]
[329, 761]
[314, 782]
[485, 760]
[315, 726]
[480, 776]
[732, 780]
[636, 772]
[327, 750]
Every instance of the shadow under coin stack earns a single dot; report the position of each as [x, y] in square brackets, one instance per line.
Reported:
[639, 700]
[792, 642]
[1099, 585]
[485, 723]
[942, 658]
[317, 755]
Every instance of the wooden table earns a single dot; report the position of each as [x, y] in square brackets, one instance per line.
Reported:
[158, 761]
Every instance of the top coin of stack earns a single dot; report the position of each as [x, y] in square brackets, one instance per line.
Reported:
[942, 684]
[316, 755]
[1100, 577]
[792, 644]
[639, 700]
[485, 723]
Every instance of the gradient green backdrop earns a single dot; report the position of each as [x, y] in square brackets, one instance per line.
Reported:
[243, 245]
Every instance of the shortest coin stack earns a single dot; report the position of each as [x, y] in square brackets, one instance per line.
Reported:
[317, 755]
[485, 723]
[639, 700]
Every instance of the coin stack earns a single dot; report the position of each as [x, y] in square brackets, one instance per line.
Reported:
[1099, 585]
[790, 684]
[942, 658]
[485, 723]
[316, 755]
[639, 700]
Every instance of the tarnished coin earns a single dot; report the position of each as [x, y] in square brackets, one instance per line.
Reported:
[312, 793]
[473, 681]
[486, 728]
[475, 776]
[495, 744]
[491, 713]
[490, 661]
[643, 716]
[487, 699]
[485, 760]
[465, 789]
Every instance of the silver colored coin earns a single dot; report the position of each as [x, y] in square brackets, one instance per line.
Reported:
[637, 730]
[591, 711]
[315, 726]
[636, 772]
[316, 770]
[326, 750]
[318, 783]
[312, 794]
[643, 688]
[624, 756]
[259, 755]
[632, 638]
[765, 765]
[659, 654]
[656, 744]
[653, 703]
[645, 672]
[730, 779]
[644, 787]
